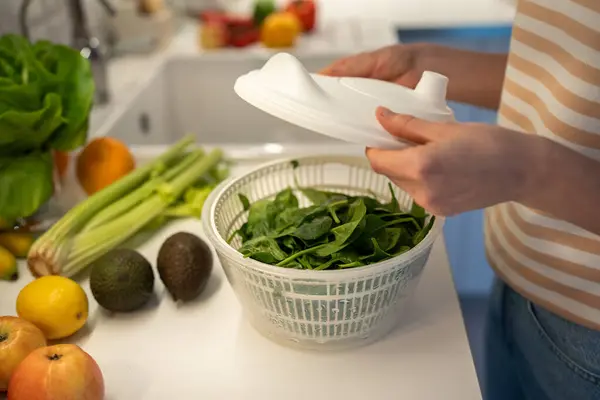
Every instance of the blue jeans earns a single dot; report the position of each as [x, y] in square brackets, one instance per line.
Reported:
[533, 354]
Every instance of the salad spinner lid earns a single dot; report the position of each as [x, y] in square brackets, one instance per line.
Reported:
[342, 108]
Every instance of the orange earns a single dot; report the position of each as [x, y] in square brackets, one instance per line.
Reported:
[103, 161]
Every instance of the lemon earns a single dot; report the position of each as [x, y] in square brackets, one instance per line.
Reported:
[55, 304]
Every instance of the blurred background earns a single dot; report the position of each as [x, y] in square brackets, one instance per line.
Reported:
[124, 38]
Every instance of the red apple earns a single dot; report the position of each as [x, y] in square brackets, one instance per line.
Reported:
[62, 372]
[18, 338]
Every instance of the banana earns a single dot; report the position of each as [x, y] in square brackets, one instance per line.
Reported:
[8, 266]
[17, 243]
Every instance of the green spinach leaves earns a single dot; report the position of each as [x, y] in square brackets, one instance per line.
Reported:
[336, 231]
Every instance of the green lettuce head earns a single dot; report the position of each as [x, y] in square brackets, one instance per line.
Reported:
[46, 95]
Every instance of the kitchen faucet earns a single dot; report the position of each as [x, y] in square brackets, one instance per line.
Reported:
[82, 39]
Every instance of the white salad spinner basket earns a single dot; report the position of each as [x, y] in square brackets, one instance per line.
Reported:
[305, 308]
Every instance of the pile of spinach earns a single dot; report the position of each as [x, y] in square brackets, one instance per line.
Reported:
[46, 94]
[336, 232]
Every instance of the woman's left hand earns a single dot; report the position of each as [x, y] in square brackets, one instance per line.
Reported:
[458, 167]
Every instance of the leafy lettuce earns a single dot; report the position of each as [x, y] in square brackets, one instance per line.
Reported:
[46, 95]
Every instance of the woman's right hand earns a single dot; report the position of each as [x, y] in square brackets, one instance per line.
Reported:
[397, 63]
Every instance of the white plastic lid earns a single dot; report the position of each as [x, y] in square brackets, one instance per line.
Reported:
[342, 108]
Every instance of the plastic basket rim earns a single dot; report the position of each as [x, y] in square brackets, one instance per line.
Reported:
[221, 245]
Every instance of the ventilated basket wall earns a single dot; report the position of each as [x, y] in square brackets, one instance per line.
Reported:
[314, 309]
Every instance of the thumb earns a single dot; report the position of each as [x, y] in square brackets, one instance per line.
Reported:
[412, 128]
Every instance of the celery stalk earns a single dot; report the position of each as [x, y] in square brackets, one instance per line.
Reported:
[140, 194]
[88, 246]
[192, 207]
[47, 253]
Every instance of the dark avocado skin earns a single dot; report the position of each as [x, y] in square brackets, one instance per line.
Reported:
[122, 280]
[184, 265]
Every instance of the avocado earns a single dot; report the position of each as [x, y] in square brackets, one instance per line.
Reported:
[184, 265]
[122, 280]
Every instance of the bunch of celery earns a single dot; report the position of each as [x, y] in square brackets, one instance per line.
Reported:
[173, 185]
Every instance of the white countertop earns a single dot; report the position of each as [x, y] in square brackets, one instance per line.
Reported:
[207, 350]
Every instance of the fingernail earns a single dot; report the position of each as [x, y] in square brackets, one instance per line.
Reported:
[385, 112]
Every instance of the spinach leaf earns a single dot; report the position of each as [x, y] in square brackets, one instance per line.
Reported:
[314, 229]
[322, 197]
[419, 213]
[245, 202]
[393, 205]
[388, 238]
[298, 254]
[290, 217]
[371, 203]
[263, 248]
[335, 232]
[286, 199]
[378, 253]
[344, 257]
[290, 243]
[423, 232]
[343, 232]
[334, 207]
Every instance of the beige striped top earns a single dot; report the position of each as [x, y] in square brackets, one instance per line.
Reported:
[552, 88]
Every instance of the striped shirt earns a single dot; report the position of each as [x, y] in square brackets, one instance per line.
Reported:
[552, 89]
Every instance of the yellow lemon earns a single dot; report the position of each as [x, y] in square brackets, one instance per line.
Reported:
[55, 304]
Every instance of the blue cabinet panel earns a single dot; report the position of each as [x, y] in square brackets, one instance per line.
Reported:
[464, 233]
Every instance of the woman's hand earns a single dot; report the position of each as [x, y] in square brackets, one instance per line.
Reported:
[474, 78]
[397, 63]
[456, 167]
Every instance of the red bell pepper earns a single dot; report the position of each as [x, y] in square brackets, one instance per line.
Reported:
[242, 31]
[242, 37]
[306, 11]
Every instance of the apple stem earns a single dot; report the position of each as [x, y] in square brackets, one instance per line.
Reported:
[54, 357]
[3, 337]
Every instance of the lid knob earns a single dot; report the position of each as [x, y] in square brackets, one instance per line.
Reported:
[432, 87]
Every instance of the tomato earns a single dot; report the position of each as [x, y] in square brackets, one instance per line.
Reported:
[306, 11]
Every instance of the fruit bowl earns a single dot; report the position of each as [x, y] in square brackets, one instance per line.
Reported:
[309, 309]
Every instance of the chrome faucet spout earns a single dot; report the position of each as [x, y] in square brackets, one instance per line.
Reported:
[83, 40]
